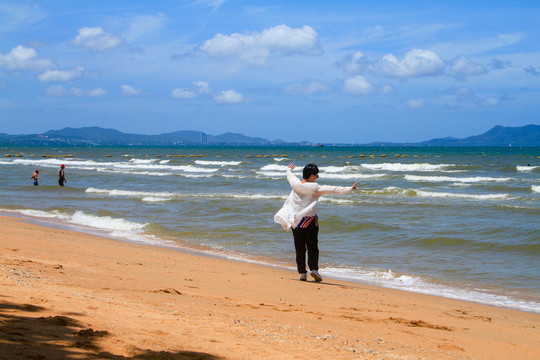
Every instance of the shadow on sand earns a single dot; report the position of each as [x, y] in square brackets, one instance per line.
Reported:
[25, 335]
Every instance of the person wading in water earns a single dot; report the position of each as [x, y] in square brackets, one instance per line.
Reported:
[61, 176]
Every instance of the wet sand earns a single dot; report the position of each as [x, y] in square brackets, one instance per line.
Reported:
[70, 295]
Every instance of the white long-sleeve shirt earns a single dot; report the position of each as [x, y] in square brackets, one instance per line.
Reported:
[303, 199]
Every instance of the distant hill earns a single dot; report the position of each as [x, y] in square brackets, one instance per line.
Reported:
[528, 135]
[96, 136]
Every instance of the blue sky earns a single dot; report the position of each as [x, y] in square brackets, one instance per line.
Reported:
[322, 71]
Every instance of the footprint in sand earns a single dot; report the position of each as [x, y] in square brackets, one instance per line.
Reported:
[420, 323]
[168, 291]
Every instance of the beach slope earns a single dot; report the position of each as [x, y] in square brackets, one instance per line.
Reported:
[69, 295]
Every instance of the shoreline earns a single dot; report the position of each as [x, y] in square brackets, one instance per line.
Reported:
[447, 290]
[68, 294]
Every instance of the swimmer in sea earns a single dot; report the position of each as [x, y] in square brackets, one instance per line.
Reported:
[61, 175]
[35, 177]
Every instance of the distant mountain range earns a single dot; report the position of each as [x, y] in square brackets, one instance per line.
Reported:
[528, 135]
[96, 136]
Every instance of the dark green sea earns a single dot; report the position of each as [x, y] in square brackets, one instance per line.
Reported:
[456, 222]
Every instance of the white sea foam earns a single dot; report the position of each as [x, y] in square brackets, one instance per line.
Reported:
[525, 168]
[326, 175]
[134, 172]
[462, 185]
[323, 169]
[106, 223]
[159, 167]
[252, 196]
[195, 176]
[419, 285]
[41, 214]
[143, 161]
[146, 196]
[274, 167]
[389, 190]
[155, 199]
[392, 190]
[147, 166]
[56, 162]
[336, 169]
[230, 176]
[150, 196]
[217, 163]
[334, 200]
[351, 176]
[476, 179]
[114, 227]
[420, 167]
[535, 188]
[273, 174]
[190, 168]
[462, 196]
[116, 192]
[330, 172]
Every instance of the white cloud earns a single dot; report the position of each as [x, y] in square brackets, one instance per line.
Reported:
[306, 89]
[199, 87]
[214, 4]
[128, 90]
[415, 103]
[491, 102]
[142, 25]
[17, 17]
[183, 94]
[202, 87]
[463, 67]
[94, 38]
[416, 63]
[23, 58]
[56, 90]
[387, 89]
[354, 63]
[472, 45]
[464, 92]
[61, 75]
[257, 47]
[358, 85]
[96, 92]
[229, 97]
[59, 90]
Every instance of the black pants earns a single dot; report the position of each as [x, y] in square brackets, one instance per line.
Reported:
[306, 239]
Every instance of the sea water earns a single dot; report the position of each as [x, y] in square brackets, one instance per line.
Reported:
[456, 222]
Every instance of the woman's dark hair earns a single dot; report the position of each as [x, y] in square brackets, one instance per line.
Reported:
[310, 169]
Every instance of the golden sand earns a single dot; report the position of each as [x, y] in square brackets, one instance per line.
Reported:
[68, 295]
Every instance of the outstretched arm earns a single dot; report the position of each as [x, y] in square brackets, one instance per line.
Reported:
[328, 189]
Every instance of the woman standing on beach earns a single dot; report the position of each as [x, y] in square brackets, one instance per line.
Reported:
[299, 213]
